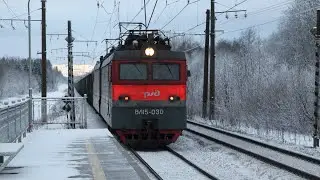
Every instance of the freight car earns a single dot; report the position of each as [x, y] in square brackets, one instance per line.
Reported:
[139, 88]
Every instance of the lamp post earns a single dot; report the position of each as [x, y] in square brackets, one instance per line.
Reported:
[30, 70]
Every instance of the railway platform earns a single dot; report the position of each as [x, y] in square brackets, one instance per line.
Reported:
[72, 154]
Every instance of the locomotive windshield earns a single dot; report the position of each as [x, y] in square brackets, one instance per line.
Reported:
[133, 71]
[163, 71]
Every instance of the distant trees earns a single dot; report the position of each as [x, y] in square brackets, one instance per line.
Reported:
[14, 73]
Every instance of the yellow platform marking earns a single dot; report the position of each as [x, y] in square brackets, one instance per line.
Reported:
[97, 171]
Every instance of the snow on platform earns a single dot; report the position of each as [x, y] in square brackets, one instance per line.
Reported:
[76, 154]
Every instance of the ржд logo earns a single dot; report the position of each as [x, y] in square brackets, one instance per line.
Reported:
[155, 93]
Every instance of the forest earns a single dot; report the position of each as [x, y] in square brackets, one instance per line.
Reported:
[261, 83]
[14, 76]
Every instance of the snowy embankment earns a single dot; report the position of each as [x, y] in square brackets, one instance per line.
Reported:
[305, 146]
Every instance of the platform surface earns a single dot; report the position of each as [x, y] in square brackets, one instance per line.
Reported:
[72, 154]
[8, 149]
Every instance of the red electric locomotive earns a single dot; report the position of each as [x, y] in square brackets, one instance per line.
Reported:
[139, 88]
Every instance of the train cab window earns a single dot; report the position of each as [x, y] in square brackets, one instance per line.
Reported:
[166, 71]
[133, 71]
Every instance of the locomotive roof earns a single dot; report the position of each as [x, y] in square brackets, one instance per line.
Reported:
[136, 55]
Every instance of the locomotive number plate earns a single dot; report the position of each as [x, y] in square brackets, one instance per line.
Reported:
[148, 111]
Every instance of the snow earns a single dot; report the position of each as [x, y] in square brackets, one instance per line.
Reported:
[12, 101]
[48, 154]
[225, 163]
[62, 90]
[48, 151]
[303, 145]
[169, 166]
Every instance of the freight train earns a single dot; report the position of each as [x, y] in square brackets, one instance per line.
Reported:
[140, 89]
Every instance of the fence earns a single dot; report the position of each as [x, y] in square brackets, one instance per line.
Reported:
[14, 121]
[57, 112]
[14, 118]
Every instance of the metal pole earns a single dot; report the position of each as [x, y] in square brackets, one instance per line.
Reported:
[30, 111]
[70, 75]
[212, 62]
[29, 36]
[30, 70]
[44, 63]
[145, 14]
[205, 71]
[317, 81]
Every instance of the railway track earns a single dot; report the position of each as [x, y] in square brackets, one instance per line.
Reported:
[171, 151]
[152, 171]
[297, 163]
[203, 172]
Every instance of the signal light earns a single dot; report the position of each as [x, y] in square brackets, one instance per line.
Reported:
[124, 98]
[174, 98]
[149, 51]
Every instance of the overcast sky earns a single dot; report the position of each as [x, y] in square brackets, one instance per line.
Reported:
[92, 23]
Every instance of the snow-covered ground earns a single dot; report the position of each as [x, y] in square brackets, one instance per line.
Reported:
[48, 154]
[226, 163]
[305, 145]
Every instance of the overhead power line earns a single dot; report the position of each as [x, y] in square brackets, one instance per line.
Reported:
[142, 8]
[237, 4]
[268, 22]
[155, 5]
[265, 9]
[189, 3]
[8, 7]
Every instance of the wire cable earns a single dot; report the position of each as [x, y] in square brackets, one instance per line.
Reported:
[189, 3]
[142, 8]
[155, 5]
[12, 12]
[268, 22]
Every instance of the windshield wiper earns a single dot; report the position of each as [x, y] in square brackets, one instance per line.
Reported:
[138, 70]
[169, 70]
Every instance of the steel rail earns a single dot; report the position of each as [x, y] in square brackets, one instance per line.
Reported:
[256, 155]
[190, 163]
[145, 164]
[291, 153]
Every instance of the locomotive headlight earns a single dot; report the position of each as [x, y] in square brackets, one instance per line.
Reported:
[126, 98]
[149, 51]
[171, 98]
